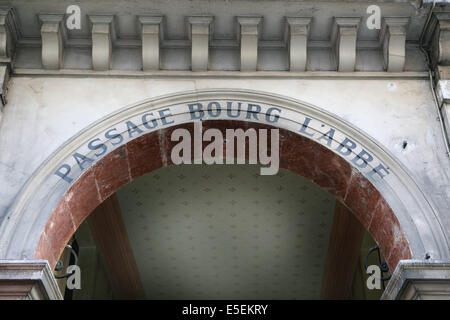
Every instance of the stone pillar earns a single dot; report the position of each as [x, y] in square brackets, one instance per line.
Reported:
[419, 280]
[27, 279]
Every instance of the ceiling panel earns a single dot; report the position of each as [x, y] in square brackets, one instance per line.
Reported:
[225, 232]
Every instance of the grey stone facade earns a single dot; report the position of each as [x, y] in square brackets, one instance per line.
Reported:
[386, 88]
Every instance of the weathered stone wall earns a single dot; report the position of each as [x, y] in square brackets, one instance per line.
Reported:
[399, 114]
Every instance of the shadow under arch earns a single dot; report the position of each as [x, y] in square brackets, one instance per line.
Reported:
[49, 209]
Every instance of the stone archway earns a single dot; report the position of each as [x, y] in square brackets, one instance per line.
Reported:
[388, 203]
[152, 151]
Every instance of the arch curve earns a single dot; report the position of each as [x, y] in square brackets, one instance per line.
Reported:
[390, 205]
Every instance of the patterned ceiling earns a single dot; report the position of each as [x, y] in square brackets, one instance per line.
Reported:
[225, 232]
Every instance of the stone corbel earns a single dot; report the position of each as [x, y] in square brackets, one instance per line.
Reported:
[437, 38]
[419, 280]
[102, 36]
[151, 33]
[52, 40]
[443, 95]
[5, 38]
[343, 39]
[200, 33]
[27, 279]
[393, 39]
[297, 29]
[8, 33]
[248, 35]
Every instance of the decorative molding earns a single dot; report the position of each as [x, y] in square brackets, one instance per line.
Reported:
[102, 35]
[419, 280]
[184, 74]
[393, 40]
[200, 33]
[297, 29]
[52, 40]
[9, 32]
[248, 35]
[343, 38]
[28, 279]
[151, 34]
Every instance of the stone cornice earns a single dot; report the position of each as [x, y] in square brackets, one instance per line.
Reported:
[437, 38]
[19, 274]
[298, 37]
